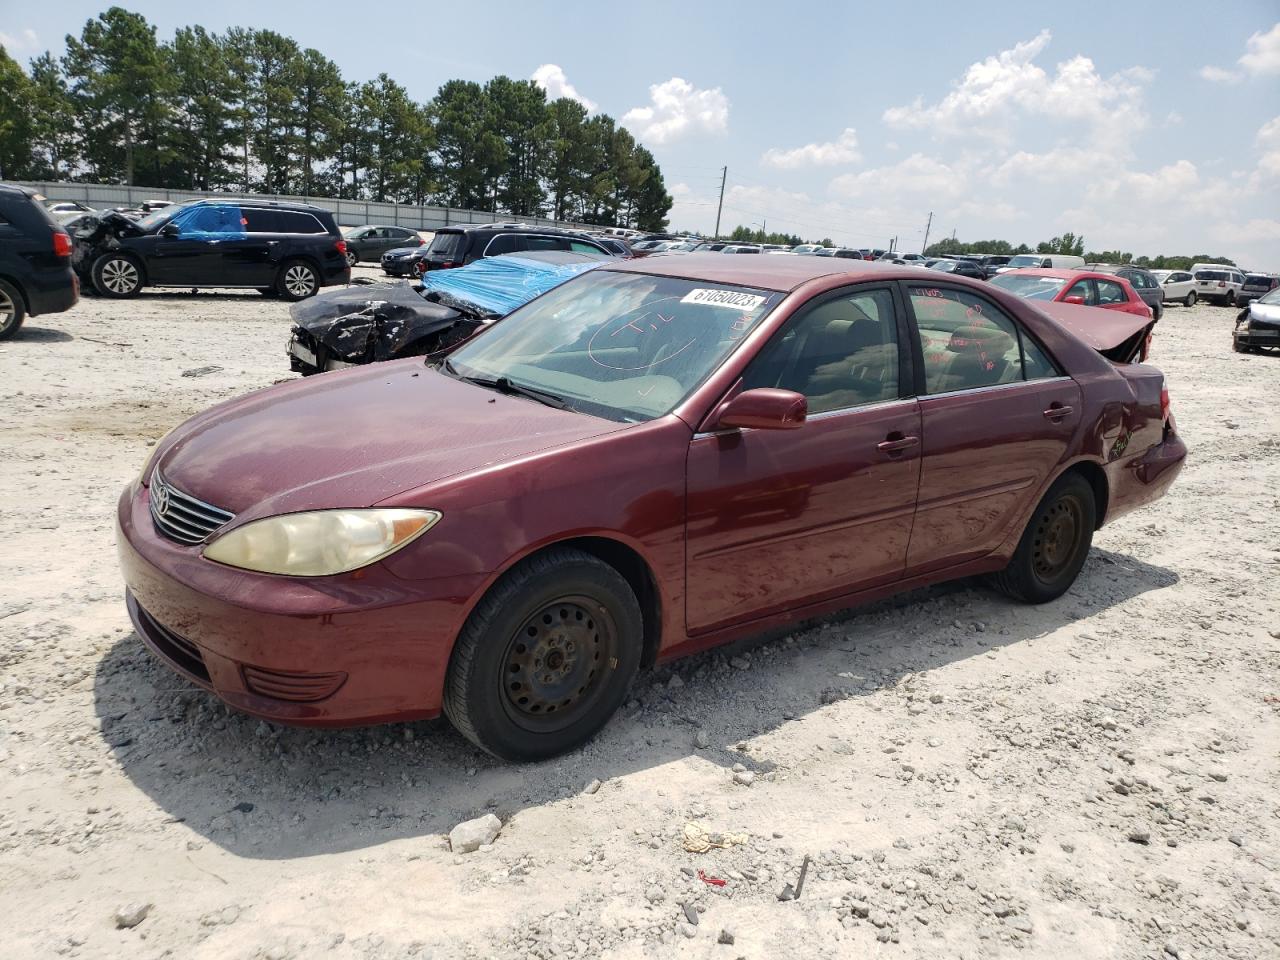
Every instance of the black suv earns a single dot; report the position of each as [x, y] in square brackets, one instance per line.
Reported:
[458, 246]
[35, 261]
[287, 249]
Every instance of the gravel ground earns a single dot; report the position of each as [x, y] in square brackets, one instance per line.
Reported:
[1096, 777]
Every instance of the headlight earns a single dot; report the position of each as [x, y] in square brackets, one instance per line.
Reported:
[320, 543]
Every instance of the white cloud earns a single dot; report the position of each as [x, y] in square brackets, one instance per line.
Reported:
[678, 108]
[842, 150]
[993, 91]
[1219, 75]
[1173, 119]
[999, 211]
[1257, 230]
[917, 175]
[1269, 133]
[550, 77]
[17, 43]
[1262, 52]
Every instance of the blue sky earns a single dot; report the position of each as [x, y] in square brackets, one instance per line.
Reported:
[1154, 128]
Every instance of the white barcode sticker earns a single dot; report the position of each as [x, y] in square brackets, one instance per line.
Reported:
[733, 299]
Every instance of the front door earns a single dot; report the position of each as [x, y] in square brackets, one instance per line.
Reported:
[997, 416]
[780, 518]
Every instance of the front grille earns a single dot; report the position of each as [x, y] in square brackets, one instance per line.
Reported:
[180, 516]
[177, 649]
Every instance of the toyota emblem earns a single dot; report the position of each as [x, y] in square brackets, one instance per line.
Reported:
[160, 499]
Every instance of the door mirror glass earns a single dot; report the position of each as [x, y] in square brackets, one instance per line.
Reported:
[765, 408]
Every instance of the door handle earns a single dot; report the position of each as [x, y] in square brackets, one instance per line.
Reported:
[1057, 411]
[894, 445]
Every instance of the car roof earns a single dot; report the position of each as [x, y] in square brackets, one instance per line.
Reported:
[782, 274]
[249, 202]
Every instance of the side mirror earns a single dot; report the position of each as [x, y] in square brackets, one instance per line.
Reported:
[170, 230]
[764, 408]
[1074, 298]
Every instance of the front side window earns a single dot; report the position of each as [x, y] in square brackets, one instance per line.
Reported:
[219, 219]
[841, 353]
[621, 346]
[968, 343]
[579, 246]
[1085, 290]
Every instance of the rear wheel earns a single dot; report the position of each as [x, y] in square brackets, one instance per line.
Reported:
[117, 275]
[1190, 299]
[12, 310]
[297, 280]
[1231, 298]
[352, 259]
[545, 658]
[1055, 544]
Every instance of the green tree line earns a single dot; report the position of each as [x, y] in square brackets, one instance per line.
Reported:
[250, 110]
[1069, 243]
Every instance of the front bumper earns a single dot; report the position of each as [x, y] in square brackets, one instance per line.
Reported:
[364, 647]
[1257, 336]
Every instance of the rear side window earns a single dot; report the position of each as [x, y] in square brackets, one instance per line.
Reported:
[447, 246]
[546, 243]
[969, 343]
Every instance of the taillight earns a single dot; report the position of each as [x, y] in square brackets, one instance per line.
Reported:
[61, 244]
[1222, 283]
[1166, 415]
[340, 246]
[420, 266]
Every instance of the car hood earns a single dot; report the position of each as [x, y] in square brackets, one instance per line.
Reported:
[356, 437]
[1266, 312]
[1104, 330]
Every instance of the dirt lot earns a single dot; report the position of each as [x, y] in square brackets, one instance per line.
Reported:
[1098, 777]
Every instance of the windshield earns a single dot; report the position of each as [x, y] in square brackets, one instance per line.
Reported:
[1028, 287]
[1272, 296]
[1025, 260]
[946, 266]
[622, 346]
[157, 218]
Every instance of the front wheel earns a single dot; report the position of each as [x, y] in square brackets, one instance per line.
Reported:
[1055, 544]
[546, 657]
[297, 280]
[117, 275]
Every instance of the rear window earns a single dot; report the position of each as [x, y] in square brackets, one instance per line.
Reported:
[1212, 275]
[447, 246]
[1257, 280]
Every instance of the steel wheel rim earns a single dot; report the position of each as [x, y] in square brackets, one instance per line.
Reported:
[7, 311]
[555, 664]
[299, 281]
[1057, 540]
[119, 276]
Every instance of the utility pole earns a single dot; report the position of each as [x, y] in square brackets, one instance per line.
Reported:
[925, 246]
[724, 175]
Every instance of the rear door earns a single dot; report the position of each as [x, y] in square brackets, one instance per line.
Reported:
[997, 417]
[778, 518]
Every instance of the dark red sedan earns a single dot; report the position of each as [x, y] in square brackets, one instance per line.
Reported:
[656, 457]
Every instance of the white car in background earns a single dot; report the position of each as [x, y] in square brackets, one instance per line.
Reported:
[1217, 283]
[1178, 285]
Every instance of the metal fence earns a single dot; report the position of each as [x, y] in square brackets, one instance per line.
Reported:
[347, 212]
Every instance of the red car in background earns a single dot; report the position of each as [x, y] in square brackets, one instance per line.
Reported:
[1081, 287]
[655, 458]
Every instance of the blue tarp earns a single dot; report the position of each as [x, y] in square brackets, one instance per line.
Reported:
[497, 285]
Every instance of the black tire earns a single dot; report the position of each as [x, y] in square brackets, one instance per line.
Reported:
[1055, 544]
[1230, 301]
[1238, 347]
[352, 259]
[13, 310]
[1189, 300]
[297, 280]
[118, 275]
[1157, 312]
[547, 613]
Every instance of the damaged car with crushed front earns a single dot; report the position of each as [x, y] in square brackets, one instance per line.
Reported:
[652, 459]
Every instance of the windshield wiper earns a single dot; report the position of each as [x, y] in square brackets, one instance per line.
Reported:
[503, 385]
